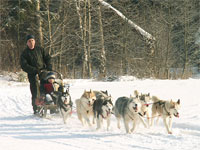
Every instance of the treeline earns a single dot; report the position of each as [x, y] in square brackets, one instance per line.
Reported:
[89, 40]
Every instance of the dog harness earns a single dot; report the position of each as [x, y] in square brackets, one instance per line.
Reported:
[163, 105]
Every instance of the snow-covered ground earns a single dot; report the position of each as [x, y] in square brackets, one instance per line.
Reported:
[21, 130]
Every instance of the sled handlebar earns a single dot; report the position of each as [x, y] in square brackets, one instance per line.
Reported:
[44, 70]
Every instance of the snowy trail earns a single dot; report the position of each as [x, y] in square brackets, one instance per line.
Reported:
[19, 129]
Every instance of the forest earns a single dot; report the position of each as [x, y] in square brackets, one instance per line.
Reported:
[105, 38]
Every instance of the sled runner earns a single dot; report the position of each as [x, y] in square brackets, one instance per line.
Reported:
[53, 95]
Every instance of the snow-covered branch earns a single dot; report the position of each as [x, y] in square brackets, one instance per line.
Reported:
[147, 36]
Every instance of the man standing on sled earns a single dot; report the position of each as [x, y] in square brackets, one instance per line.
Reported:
[33, 60]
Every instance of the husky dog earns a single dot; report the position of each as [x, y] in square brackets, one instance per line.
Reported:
[102, 108]
[166, 110]
[84, 107]
[127, 108]
[144, 100]
[65, 104]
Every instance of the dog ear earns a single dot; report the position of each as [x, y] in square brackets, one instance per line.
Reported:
[136, 93]
[67, 91]
[178, 102]
[148, 94]
[106, 92]
[171, 103]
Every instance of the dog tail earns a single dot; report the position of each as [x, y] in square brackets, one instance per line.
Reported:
[136, 93]
[155, 99]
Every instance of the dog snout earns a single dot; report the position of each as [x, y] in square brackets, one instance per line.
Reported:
[176, 115]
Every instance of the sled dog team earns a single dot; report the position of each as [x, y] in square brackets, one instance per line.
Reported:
[95, 106]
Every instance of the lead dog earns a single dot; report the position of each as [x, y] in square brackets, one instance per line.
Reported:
[102, 108]
[166, 110]
[127, 109]
[84, 107]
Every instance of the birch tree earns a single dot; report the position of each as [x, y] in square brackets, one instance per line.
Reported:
[89, 40]
[83, 28]
[102, 67]
[49, 26]
[39, 23]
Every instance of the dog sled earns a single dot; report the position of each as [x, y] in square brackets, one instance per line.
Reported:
[56, 101]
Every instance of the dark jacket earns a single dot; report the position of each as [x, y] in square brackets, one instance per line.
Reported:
[33, 60]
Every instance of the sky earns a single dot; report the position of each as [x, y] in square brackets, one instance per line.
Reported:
[21, 130]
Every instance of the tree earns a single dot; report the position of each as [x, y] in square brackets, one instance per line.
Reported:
[102, 66]
[39, 23]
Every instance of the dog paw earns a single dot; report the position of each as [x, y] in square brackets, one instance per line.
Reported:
[169, 132]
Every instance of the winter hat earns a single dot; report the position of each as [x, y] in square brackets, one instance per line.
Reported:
[50, 75]
[29, 37]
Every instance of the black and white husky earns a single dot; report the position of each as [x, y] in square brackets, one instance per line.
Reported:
[65, 104]
[102, 108]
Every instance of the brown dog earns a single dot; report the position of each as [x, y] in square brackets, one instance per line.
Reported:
[84, 107]
[166, 110]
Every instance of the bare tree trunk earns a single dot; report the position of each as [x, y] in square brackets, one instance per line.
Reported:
[62, 36]
[18, 35]
[85, 54]
[124, 52]
[89, 40]
[83, 36]
[166, 73]
[49, 24]
[39, 23]
[102, 68]
[186, 27]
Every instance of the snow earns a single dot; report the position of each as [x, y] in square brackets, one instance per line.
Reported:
[21, 130]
